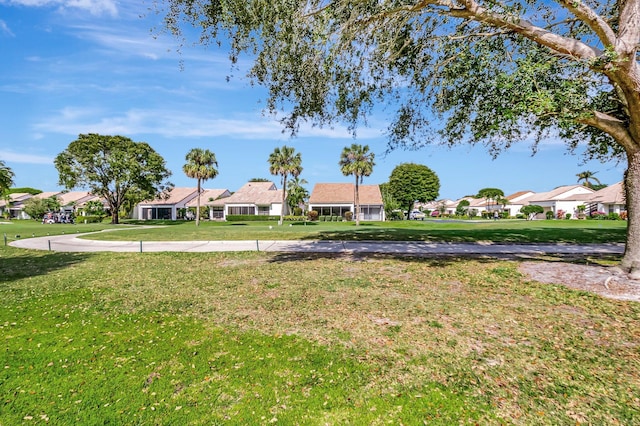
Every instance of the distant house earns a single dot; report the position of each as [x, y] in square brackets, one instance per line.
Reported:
[335, 199]
[17, 207]
[165, 208]
[253, 198]
[517, 201]
[14, 205]
[563, 198]
[71, 201]
[207, 199]
[607, 200]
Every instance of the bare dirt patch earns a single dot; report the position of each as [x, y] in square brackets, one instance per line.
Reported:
[604, 280]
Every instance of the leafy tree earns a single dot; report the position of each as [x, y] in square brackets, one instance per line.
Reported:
[493, 71]
[284, 162]
[490, 194]
[586, 177]
[531, 210]
[390, 204]
[462, 207]
[357, 160]
[94, 208]
[201, 165]
[36, 207]
[410, 182]
[114, 168]
[6, 177]
[23, 190]
[297, 192]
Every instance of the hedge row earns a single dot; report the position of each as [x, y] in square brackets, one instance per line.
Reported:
[250, 218]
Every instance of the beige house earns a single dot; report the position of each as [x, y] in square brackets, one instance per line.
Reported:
[607, 200]
[565, 199]
[166, 207]
[253, 198]
[207, 199]
[335, 199]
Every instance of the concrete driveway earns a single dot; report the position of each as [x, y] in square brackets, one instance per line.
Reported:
[71, 243]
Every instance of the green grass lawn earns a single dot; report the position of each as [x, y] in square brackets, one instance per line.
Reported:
[509, 231]
[264, 338]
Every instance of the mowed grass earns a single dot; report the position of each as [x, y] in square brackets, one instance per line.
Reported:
[260, 338]
[507, 231]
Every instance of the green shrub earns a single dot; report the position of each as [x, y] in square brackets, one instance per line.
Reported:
[567, 216]
[549, 214]
[89, 219]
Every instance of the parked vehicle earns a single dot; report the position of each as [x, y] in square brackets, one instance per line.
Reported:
[417, 214]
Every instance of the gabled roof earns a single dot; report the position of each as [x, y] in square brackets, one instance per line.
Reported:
[176, 196]
[519, 196]
[15, 198]
[612, 194]
[344, 193]
[258, 193]
[50, 194]
[213, 194]
[567, 192]
[78, 197]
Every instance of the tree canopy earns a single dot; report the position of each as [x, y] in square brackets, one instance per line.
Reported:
[357, 160]
[201, 165]
[285, 162]
[37, 207]
[114, 168]
[6, 177]
[586, 177]
[410, 182]
[494, 72]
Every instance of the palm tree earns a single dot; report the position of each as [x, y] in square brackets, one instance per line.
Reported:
[201, 165]
[284, 162]
[297, 192]
[585, 176]
[6, 177]
[357, 160]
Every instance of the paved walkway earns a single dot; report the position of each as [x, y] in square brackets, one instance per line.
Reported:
[71, 243]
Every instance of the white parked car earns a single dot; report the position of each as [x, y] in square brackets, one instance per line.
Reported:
[417, 214]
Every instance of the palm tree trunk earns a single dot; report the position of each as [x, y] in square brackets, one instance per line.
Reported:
[284, 198]
[198, 206]
[357, 202]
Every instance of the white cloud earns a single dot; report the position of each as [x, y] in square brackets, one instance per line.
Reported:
[4, 29]
[16, 157]
[95, 7]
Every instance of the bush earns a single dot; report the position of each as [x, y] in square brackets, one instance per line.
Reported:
[89, 219]
[294, 218]
[598, 215]
[567, 216]
[348, 216]
[613, 216]
[623, 215]
[549, 214]
[312, 215]
[297, 211]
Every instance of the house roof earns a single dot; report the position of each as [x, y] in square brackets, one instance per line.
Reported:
[258, 193]
[208, 194]
[343, 193]
[519, 196]
[15, 197]
[612, 194]
[176, 196]
[79, 197]
[561, 193]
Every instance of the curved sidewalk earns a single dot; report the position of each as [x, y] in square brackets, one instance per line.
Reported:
[71, 243]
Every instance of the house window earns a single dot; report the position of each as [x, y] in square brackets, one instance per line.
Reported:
[149, 213]
[263, 210]
[242, 210]
[217, 212]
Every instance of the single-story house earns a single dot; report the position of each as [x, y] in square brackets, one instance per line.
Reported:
[253, 198]
[564, 199]
[165, 207]
[207, 198]
[335, 199]
[71, 201]
[14, 205]
[607, 200]
[517, 201]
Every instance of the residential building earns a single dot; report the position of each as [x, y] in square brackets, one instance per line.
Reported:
[335, 199]
[253, 198]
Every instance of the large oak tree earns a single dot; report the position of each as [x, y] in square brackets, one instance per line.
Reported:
[494, 72]
[114, 168]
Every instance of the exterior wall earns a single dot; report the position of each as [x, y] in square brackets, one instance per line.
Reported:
[611, 208]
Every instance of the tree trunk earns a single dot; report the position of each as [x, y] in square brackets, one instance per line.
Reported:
[357, 202]
[284, 198]
[631, 259]
[198, 206]
[114, 216]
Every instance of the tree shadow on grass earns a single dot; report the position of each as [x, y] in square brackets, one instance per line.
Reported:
[437, 260]
[17, 264]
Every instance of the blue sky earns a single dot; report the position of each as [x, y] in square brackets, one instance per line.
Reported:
[94, 66]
